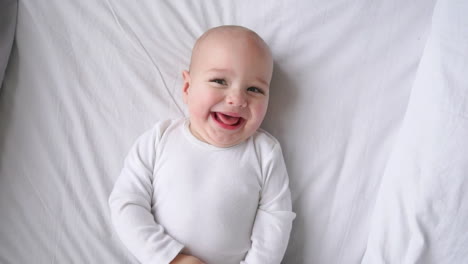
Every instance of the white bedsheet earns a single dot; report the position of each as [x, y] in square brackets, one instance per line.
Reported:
[87, 77]
[421, 214]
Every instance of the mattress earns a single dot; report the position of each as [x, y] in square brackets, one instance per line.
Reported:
[368, 101]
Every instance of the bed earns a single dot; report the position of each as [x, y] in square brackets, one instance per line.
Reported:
[369, 100]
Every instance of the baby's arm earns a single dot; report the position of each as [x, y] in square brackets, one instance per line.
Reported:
[273, 222]
[130, 205]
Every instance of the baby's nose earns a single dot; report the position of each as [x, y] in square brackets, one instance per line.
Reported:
[236, 98]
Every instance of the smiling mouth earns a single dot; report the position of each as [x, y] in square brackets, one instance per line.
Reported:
[227, 121]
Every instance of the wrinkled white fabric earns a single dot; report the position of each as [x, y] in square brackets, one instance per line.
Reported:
[421, 214]
[86, 78]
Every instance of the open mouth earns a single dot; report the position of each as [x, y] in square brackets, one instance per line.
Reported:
[226, 121]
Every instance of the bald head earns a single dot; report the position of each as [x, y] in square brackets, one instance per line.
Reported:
[227, 87]
[224, 35]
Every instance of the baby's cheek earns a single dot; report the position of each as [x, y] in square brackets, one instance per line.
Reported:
[196, 110]
[259, 111]
[208, 101]
[202, 111]
[199, 111]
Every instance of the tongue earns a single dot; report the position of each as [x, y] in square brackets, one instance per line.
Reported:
[228, 120]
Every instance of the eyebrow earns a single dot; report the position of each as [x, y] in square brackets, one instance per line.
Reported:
[220, 70]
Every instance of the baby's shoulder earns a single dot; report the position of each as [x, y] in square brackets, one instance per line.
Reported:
[264, 141]
[162, 127]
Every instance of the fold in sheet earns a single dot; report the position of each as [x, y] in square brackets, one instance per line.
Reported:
[421, 214]
[8, 13]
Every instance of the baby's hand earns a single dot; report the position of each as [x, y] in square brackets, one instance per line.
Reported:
[186, 259]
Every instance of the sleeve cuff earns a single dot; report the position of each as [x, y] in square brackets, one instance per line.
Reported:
[169, 255]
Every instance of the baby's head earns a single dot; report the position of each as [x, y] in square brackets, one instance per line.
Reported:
[227, 86]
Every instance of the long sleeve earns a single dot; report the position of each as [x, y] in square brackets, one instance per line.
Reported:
[273, 221]
[130, 206]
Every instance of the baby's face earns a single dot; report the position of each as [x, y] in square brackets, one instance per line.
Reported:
[227, 88]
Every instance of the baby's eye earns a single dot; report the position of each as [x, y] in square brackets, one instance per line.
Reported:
[219, 81]
[255, 90]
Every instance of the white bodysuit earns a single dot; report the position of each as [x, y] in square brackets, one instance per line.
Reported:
[177, 194]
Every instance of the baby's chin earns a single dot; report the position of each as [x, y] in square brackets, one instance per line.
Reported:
[224, 140]
[228, 138]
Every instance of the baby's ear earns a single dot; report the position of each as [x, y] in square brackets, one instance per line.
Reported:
[186, 85]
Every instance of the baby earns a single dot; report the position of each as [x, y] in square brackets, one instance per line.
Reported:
[211, 188]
